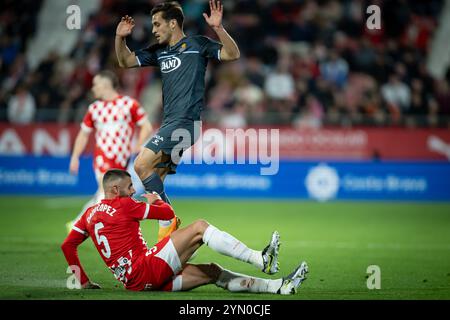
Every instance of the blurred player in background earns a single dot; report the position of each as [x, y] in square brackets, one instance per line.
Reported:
[113, 226]
[114, 118]
[182, 60]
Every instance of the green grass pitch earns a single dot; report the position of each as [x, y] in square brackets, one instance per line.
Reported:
[410, 242]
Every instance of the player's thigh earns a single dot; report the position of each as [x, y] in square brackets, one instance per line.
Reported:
[186, 241]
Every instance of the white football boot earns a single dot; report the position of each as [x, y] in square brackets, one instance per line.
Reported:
[293, 281]
[270, 255]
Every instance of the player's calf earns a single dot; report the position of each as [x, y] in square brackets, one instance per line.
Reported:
[145, 163]
[193, 276]
[145, 167]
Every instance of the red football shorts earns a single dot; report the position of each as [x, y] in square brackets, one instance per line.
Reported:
[160, 268]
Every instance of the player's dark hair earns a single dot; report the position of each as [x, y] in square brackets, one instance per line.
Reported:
[114, 174]
[111, 76]
[170, 10]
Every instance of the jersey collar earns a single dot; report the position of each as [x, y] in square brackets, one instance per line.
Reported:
[170, 48]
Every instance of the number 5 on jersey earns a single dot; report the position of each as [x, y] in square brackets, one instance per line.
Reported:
[102, 240]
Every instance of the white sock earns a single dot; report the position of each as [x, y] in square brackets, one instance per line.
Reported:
[165, 223]
[236, 282]
[226, 244]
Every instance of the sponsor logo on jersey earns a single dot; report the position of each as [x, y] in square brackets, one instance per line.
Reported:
[170, 64]
[156, 139]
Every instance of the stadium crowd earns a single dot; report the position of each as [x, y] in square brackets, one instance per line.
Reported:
[303, 63]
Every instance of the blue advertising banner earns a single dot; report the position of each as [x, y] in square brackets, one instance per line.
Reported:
[32, 175]
[428, 181]
[318, 181]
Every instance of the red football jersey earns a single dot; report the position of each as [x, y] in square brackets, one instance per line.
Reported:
[113, 225]
[114, 123]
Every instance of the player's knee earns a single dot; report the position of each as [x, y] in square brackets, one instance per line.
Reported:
[200, 226]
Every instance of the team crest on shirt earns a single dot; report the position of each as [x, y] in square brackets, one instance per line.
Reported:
[170, 64]
[182, 47]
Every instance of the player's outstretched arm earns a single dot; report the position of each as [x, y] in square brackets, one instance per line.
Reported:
[230, 50]
[125, 57]
[70, 250]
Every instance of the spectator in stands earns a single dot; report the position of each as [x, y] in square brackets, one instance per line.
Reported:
[247, 108]
[335, 46]
[281, 92]
[335, 70]
[21, 106]
[311, 116]
[397, 96]
[9, 49]
[235, 118]
[279, 84]
[420, 102]
[442, 106]
[255, 71]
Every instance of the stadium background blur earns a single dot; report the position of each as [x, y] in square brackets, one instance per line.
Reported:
[364, 119]
[304, 63]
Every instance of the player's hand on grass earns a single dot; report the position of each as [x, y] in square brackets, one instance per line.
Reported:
[215, 18]
[125, 26]
[91, 285]
[74, 165]
[151, 197]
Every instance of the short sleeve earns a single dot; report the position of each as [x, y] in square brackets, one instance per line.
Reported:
[147, 57]
[88, 123]
[138, 114]
[80, 225]
[138, 210]
[209, 48]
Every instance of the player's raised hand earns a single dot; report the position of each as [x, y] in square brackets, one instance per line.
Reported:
[151, 197]
[125, 26]
[74, 165]
[215, 18]
[91, 285]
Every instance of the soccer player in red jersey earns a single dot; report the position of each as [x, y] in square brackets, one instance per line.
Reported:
[114, 118]
[113, 225]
